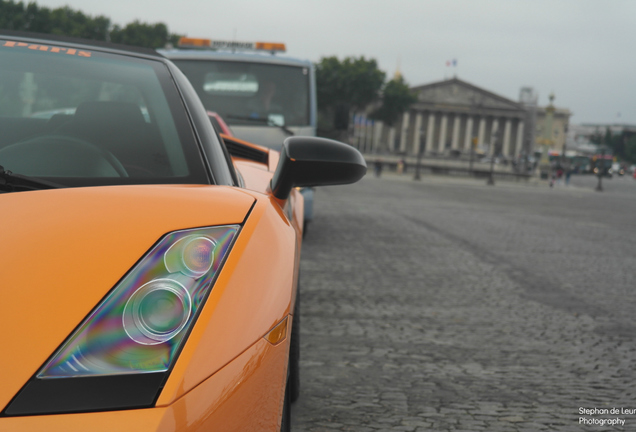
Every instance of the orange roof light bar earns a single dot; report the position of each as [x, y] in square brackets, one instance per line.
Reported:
[270, 46]
[273, 47]
[194, 42]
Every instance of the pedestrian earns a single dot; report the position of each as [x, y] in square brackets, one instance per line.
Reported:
[378, 167]
[559, 174]
[568, 174]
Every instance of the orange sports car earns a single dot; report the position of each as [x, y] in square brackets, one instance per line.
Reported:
[149, 269]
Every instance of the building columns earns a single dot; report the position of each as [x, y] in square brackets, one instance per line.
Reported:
[482, 131]
[417, 133]
[494, 136]
[429, 132]
[442, 134]
[469, 134]
[405, 125]
[519, 147]
[377, 134]
[455, 143]
[506, 142]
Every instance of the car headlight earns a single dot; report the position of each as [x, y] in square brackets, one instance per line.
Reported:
[134, 335]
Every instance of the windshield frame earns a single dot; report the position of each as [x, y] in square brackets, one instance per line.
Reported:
[199, 171]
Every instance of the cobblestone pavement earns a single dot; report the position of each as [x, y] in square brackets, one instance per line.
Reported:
[449, 305]
[617, 184]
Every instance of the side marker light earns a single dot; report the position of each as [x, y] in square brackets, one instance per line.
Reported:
[278, 333]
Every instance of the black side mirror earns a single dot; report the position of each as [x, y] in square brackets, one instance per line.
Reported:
[310, 161]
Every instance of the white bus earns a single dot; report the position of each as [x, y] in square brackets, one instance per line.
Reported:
[263, 96]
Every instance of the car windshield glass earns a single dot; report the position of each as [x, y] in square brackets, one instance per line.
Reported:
[255, 94]
[81, 117]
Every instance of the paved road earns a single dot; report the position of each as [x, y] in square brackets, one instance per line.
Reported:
[448, 305]
[623, 185]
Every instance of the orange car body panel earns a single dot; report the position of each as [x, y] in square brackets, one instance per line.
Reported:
[253, 293]
[51, 256]
[254, 379]
[226, 365]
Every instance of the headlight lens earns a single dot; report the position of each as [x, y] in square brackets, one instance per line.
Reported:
[140, 325]
[157, 312]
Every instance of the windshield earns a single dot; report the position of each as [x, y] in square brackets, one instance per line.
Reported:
[85, 118]
[251, 93]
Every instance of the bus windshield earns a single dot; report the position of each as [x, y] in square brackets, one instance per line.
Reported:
[251, 94]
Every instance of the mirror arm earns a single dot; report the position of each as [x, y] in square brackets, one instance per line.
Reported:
[282, 181]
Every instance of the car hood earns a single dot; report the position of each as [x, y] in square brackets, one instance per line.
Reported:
[62, 250]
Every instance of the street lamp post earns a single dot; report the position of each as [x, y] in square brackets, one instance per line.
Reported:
[493, 143]
[473, 144]
[565, 145]
[565, 164]
[601, 169]
[420, 150]
[547, 141]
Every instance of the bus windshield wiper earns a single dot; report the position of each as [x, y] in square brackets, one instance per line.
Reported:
[266, 122]
[10, 182]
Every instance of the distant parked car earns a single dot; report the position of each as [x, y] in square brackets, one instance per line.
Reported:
[219, 124]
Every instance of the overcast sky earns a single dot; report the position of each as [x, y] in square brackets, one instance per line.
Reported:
[582, 50]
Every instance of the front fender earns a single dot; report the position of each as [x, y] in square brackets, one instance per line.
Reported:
[254, 292]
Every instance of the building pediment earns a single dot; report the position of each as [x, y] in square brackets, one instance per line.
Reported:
[459, 95]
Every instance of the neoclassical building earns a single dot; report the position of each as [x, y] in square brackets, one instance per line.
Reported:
[451, 115]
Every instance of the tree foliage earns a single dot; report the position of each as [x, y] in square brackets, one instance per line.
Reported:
[68, 22]
[621, 145]
[344, 86]
[396, 98]
[142, 34]
[353, 85]
[353, 81]
[61, 21]
[630, 149]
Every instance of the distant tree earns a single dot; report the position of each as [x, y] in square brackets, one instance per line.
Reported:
[12, 15]
[616, 143]
[596, 138]
[630, 149]
[344, 87]
[144, 35]
[68, 22]
[602, 139]
[607, 139]
[396, 98]
[60, 21]
[65, 21]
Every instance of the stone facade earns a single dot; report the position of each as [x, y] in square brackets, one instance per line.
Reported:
[560, 124]
[449, 116]
[452, 115]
